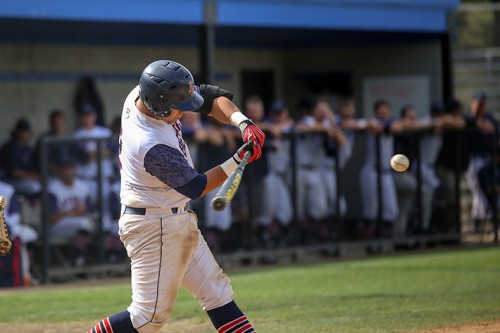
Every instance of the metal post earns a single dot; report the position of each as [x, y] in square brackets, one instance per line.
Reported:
[495, 194]
[458, 219]
[446, 41]
[419, 180]
[293, 153]
[338, 220]
[45, 214]
[378, 166]
[100, 206]
[207, 42]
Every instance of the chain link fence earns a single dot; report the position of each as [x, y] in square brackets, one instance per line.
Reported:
[476, 52]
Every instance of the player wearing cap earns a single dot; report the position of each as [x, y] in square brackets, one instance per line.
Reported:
[162, 238]
[482, 140]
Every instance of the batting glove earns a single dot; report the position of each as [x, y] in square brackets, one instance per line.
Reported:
[250, 131]
[248, 146]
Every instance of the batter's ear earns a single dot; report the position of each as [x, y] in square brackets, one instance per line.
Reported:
[209, 94]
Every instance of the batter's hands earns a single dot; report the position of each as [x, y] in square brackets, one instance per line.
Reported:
[250, 131]
[248, 146]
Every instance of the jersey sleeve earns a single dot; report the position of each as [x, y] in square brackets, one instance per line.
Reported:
[209, 94]
[169, 166]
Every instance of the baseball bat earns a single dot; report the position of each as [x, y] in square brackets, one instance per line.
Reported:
[228, 189]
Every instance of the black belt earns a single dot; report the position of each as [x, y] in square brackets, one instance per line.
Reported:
[142, 211]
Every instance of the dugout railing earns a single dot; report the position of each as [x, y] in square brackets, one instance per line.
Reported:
[51, 261]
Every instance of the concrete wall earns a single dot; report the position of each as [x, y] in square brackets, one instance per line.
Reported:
[37, 78]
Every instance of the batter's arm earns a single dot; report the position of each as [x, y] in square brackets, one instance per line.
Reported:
[222, 109]
[171, 167]
[215, 177]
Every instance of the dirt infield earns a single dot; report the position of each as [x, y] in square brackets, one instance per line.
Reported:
[176, 326]
[483, 327]
[183, 326]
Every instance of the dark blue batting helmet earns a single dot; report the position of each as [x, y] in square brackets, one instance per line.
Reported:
[166, 84]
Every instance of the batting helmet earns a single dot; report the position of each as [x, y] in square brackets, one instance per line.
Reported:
[166, 84]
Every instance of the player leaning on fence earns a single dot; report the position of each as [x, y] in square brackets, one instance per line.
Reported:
[162, 239]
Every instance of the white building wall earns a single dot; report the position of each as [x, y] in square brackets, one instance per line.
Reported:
[36, 79]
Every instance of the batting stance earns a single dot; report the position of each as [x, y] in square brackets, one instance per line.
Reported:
[162, 238]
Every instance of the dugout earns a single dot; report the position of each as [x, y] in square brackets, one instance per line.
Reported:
[276, 48]
[287, 49]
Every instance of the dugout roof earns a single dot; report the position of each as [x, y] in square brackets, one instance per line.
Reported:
[254, 23]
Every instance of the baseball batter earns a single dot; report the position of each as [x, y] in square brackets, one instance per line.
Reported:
[162, 238]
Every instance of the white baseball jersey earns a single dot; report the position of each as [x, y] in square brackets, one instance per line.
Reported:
[310, 150]
[66, 198]
[89, 170]
[140, 133]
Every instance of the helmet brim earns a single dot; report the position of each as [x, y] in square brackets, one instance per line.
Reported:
[192, 104]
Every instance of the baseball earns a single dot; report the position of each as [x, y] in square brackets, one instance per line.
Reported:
[400, 162]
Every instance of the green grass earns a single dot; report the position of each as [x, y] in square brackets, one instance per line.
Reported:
[391, 294]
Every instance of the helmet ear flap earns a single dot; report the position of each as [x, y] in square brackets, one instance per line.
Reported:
[153, 108]
[156, 110]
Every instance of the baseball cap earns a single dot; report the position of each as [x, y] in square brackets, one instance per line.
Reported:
[23, 125]
[65, 161]
[480, 96]
[86, 108]
[278, 105]
[455, 106]
[438, 108]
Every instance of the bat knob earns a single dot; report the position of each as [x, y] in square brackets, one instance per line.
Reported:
[218, 204]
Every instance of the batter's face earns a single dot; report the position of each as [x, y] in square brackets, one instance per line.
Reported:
[174, 116]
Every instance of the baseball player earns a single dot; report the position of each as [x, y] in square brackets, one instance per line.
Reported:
[311, 193]
[69, 199]
[316, 180]
[161, 237]
[483, 140]
[382, 127]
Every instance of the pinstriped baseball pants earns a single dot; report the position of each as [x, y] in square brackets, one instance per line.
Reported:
[167, 251]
